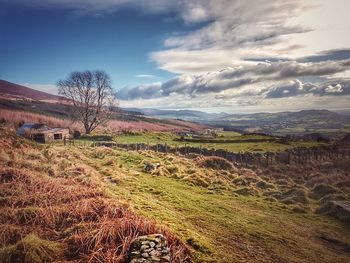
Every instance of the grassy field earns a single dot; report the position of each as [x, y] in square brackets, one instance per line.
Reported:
[221, 213]
[205, 211]
[239, 142]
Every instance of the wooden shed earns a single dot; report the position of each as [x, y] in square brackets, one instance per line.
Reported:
[42, 133]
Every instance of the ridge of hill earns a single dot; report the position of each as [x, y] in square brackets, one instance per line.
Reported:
[12, 90]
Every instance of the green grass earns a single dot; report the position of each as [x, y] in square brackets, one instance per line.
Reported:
[242, 144]
[224, 227]
[218, 224]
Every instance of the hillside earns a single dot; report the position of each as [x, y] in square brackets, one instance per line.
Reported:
[23, 101]
[81, 203]
[10, 90]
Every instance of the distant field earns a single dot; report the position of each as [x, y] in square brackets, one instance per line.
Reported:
[242, 143]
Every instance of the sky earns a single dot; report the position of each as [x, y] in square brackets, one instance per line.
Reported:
[236, 56]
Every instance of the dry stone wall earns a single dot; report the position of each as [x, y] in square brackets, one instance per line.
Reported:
[149, 249]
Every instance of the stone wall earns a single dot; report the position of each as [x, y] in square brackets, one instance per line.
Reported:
[149, 249]
[295, 156]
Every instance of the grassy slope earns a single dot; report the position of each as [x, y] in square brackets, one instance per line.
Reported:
[243, 145]
[219, 225]
[55, 207]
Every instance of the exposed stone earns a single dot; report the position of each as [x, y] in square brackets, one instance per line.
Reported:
[144, 247]
[149, 249]
[149, 167]
[152, 244]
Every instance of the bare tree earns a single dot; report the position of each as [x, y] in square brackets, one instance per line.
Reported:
[91, 95]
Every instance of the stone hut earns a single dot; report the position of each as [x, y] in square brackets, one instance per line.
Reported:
[42, 133]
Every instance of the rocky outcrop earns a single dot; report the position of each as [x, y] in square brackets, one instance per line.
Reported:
[149, 249]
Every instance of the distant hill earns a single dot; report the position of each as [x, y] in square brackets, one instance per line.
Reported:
[10, 90]
[190, 115]
[326, 122]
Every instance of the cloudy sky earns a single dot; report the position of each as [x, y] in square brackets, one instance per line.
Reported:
[213, 55]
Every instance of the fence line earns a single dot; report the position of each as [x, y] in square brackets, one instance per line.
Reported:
[296, 156]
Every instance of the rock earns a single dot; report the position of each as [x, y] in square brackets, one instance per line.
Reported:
[144, 247]
[167, 257]
[149, 167]
[152, 244]
[149, 249]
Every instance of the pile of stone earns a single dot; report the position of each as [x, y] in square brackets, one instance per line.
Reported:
[149, 249]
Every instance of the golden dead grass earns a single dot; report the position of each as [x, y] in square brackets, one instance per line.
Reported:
[53, 208]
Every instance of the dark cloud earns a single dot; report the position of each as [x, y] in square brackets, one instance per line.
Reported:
[231, 78]
[334, 87]
[328, 55]
[140, 92]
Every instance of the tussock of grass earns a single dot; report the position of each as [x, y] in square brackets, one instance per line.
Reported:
[292, 196]
[322, 190]
[264, 185]
[247, 191]
[335, 209]
[31, 249]
[216, 163]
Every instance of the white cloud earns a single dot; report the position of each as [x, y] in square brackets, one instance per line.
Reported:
[287, 37]
[267, 74]
[334, 89]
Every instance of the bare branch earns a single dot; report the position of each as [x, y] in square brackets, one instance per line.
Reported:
[91, 95]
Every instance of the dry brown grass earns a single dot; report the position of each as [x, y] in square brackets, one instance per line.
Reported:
[64, 212]
[216, 163]
[15, 118]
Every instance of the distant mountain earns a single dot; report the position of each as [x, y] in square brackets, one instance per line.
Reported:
[10, 90]
[191, 115]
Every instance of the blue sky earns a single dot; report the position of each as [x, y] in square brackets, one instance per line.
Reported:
[212, 55]
[44, 45]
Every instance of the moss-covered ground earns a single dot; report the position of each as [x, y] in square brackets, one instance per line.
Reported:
[216, 222]
[230, 141]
